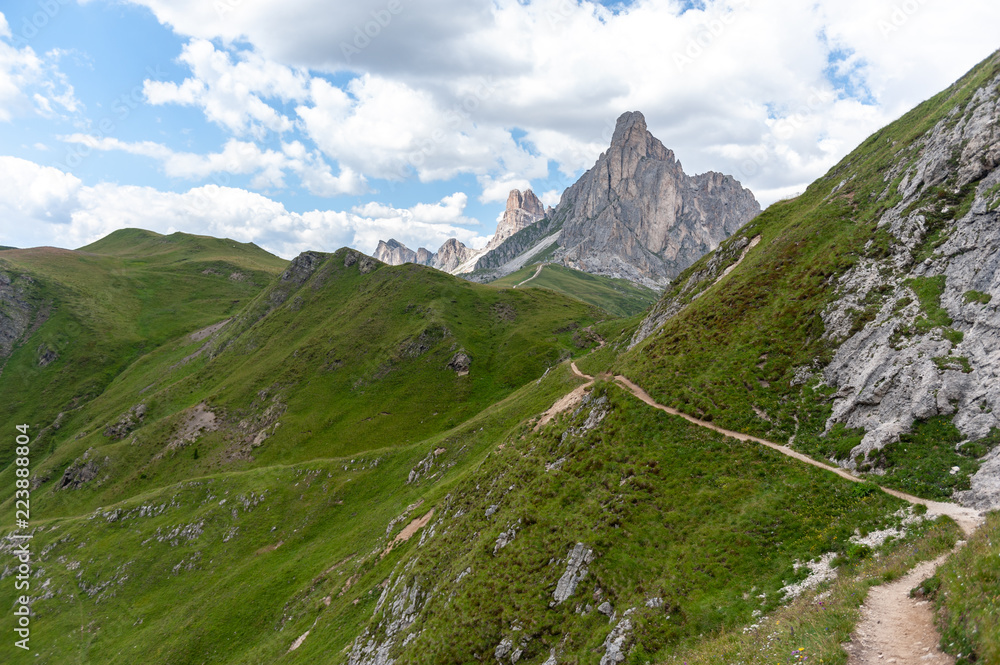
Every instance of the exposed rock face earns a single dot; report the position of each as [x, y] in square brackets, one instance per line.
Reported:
[518, 249]
[576, 570]
[460, 363]
[637, 215]
[896, 371]
[634, 215]
[17, 314]
[451, 255]
[395, 253]
[523, 210]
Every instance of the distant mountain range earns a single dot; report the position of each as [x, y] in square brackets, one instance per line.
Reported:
[635, 215]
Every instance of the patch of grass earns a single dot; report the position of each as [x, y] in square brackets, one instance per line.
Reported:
[928, 291]
[953, 336]
[977, 296]
[618, 297]
[922, 461]
[957, 363]
[968, 597]
[816, 625]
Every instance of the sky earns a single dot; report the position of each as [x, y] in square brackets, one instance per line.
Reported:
[317, 124]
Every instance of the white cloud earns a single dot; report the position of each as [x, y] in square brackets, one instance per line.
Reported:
[239, 158]
[29, 83]
[561, 71]
[38, 203]
[232, 94]
[30, 193]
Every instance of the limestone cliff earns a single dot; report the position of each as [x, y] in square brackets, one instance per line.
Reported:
[523, 209]
[637, 215]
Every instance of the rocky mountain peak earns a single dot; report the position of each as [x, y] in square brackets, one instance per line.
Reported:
[523, 210]
[637, 215]
[633, 137]
[396, 253]
[451, 255]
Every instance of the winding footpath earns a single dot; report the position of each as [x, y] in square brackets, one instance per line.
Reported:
[894, 628]
[537, 272]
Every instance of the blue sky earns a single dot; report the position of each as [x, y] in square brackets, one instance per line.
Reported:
[285, 124]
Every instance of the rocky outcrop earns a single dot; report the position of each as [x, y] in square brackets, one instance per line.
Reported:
[932, 346]
[18, 314]
[637, 215]
[576, 570]
[448, 258]
[518, 249]
[451, 255]
[523, 210]
[395, 253]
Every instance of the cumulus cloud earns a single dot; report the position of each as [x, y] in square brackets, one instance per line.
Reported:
[54, 204]
[239, 158]
[232, 94]
[512, 91]
[29, 83]
[718, 83]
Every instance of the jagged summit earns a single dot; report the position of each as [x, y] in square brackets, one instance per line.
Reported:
[451, 254]
[523, 210]
[635, 215]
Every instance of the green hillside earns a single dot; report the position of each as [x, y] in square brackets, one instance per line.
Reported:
[95, 311]
[618, 297]
[754, 342]
[237, 459]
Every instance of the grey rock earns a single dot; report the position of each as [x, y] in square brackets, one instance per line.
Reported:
[19, 314]
[505, 539]
[460, 363]
[128, 422]
[576, 571]
[637, 215]
[504, 648]
[302, 267]
[79, 474]
[606, 609]
[448, 258]
[451, 255]
[614, 644]
[523, 209]
[888, 375]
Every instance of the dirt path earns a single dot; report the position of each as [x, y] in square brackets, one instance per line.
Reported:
[537, 272]
[567, 401]
[895, 628]
[967, 518]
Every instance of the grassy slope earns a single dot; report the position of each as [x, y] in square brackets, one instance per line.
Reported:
[734, 352]
[240, 584]
[108, 306]
[671, 511]
[340, 364]
[967, 596]
[618, 297]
